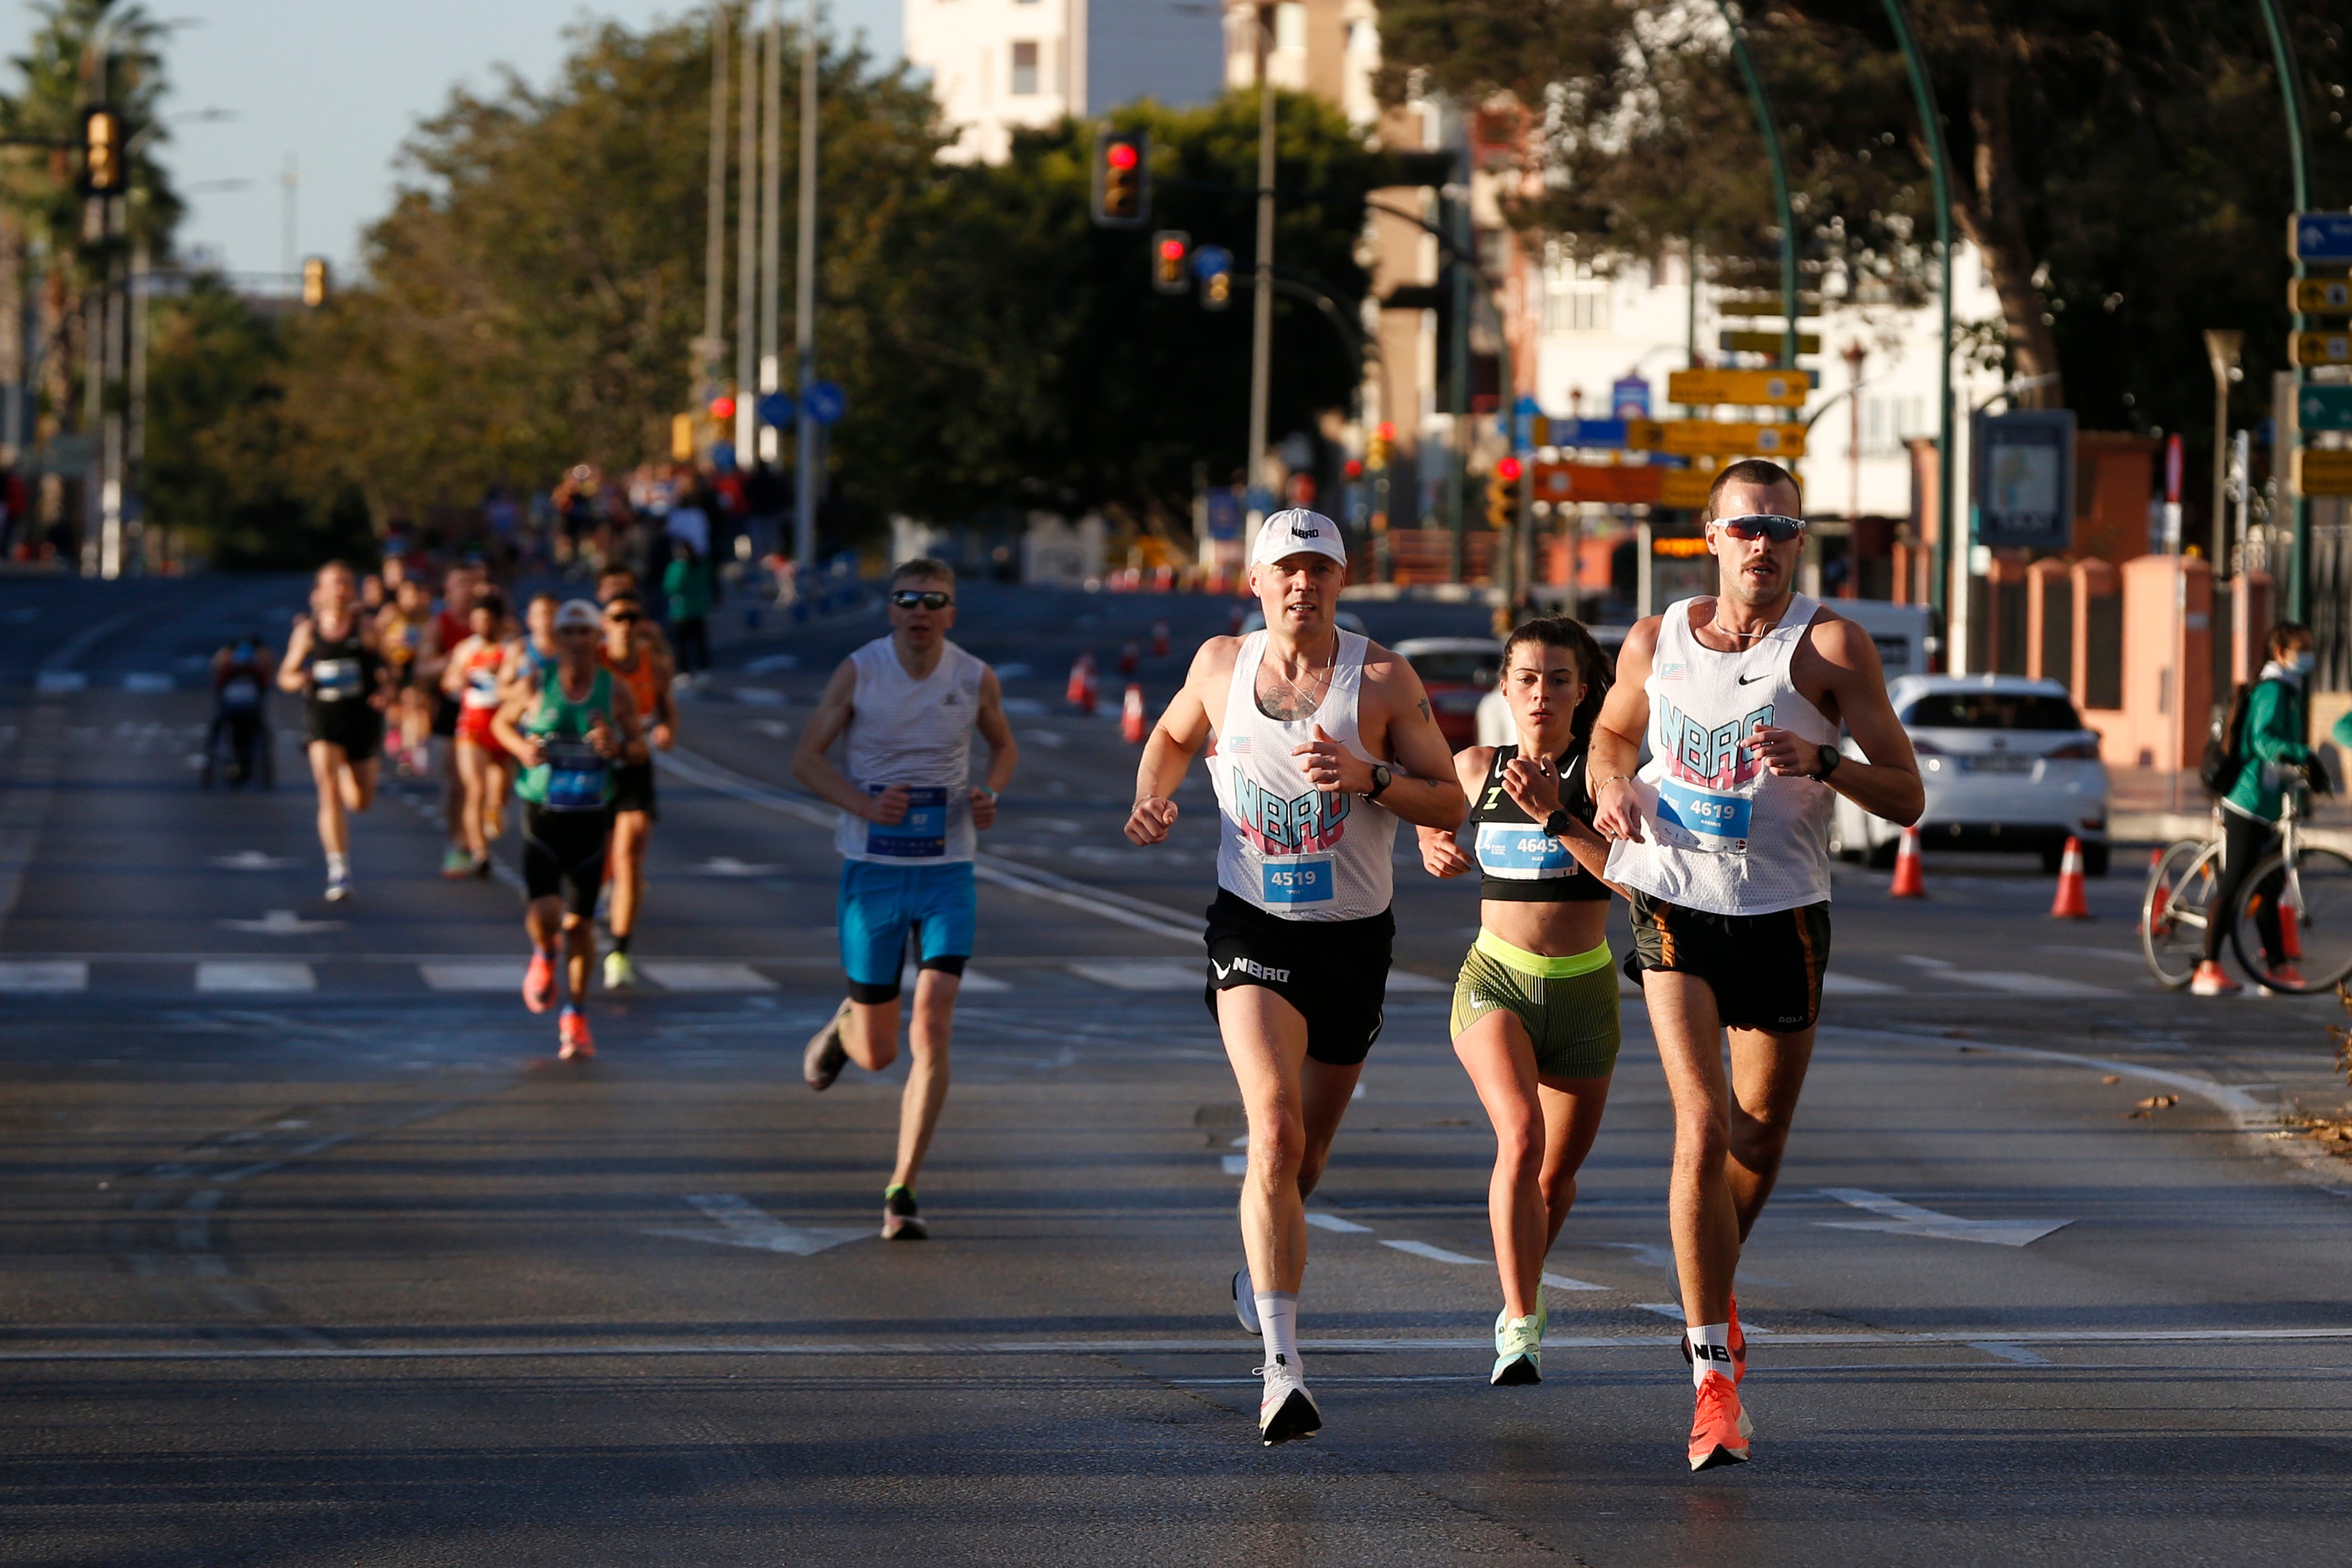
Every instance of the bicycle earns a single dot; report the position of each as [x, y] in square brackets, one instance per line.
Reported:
[2291, 923]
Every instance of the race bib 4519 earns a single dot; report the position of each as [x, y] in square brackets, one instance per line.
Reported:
[1303, 880]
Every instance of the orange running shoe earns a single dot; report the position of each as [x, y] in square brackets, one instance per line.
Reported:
[571, 1029]
[1720, 1429]
[538, 983]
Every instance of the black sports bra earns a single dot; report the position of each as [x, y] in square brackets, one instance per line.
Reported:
[1516, 861]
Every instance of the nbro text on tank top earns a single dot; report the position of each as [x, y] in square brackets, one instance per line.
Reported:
[1289, 848]
[1724, 833]
[917, 734]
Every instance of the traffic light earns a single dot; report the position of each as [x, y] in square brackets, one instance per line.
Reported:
[1377, 449]
[103, 170]
[1122, 179]
[1214, 266]
[314, 282]
[722, 408]
[1503, 492]
[1171, 248]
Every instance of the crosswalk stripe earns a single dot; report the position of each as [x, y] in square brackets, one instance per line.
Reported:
[260, 975]
[52, 976]
[2016, 983]
[973, 980]
[1141, 973]
[504, 975]
[1854, 986]
[673, 975]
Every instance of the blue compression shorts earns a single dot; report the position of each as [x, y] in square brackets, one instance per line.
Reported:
[880, 905]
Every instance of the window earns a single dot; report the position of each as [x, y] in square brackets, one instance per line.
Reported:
[1888, 422]
[1992, 711]
[1025, 69]
[1577, 308]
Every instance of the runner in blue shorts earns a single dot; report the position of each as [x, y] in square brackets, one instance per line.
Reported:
[907, 705]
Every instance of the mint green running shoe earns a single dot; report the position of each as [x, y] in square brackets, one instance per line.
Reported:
[1519, 1349]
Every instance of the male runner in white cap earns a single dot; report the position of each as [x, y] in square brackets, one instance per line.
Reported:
[1323, 741]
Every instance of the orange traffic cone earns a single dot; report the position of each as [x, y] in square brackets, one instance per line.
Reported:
[1910, 880]
[1159, 639]
[2158, 903]
[2290, 934]
[1081, 672]
[1130, 716]
[2073, 903]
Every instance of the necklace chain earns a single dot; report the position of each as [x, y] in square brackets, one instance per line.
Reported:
[1715, 623]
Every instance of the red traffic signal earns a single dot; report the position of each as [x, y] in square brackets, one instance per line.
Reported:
[1122, 170]
[722, 408]
[1172, 251]
[1355, 469]
[1507, 469]
[1386, 431]
[1120, 155]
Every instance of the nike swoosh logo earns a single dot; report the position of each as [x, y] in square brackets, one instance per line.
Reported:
[1222, 969]
[1746, 679]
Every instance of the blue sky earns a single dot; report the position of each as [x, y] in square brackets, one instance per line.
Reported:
[339, 84]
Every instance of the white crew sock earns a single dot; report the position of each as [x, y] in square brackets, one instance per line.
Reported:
[1277, 1319]
[338, 866]
[1710, 1348]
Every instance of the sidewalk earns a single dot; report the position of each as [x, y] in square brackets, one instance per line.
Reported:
[2147, 805]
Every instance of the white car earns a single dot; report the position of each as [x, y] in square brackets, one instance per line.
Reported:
[1495, 727]
[2008, 763]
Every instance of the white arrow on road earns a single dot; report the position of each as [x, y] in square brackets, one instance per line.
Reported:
[741, 1223]
[251, 860]
[283, 923]
[1909, 1219]
[728, 866]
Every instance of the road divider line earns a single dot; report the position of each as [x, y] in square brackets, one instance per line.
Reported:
[1899, 1218]
[739, 1222]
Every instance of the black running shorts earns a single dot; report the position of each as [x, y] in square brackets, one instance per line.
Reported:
[1336, 972]
[445, 715]
[354, 725]
[1766, 970]
[563, 853]
[633, 789]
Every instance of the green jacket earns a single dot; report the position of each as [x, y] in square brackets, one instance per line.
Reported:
[688, 589]
[2273, 733]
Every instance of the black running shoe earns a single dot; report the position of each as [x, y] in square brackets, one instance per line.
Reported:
[900, 1222]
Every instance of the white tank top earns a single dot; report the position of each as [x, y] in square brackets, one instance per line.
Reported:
[1283, 844]
[1724, 833]
[916, 733]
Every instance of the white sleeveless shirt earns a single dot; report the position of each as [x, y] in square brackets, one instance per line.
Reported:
[916, 733]
[1285, 845]
[1724, 833]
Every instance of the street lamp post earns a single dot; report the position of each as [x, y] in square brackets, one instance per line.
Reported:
[1262, 301]
[1931, 124]
[1764, 122]
[2298, 582]
[805, 437]
[2222, 349]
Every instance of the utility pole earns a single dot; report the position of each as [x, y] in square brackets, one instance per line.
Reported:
[1262, 304]
[710, 358]
[1931, 129]
[747, 241]
[2298, 581]
[290, 254]
[771, 220]
[806, 460]
[1455, 211]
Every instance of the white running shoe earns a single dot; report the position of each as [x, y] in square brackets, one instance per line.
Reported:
[1519, 1349]
[1245, 1302]
[338, 887]
[1287, 1410]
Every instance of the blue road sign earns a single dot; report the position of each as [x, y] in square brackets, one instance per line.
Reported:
[1629, 398]
[1208, 260]
[1587, 433]
[774, 408]
[1524, 414]
[722, 455]
[2324, 408]
[1224, 513]
[825, 401]
[2321, 237]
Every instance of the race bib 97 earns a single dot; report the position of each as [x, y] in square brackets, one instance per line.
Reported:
[921, 835]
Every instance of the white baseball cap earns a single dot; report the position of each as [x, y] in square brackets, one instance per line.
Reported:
[577, 613]
[1297, 532]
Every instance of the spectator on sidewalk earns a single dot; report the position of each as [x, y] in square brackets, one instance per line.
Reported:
[2271, 759]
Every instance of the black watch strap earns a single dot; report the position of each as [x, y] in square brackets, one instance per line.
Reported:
[1830, 757]
[1381, 779]
[1556, 824]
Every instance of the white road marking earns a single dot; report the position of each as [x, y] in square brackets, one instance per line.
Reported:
[1438, 1254]
[1909, 1219]
[1562, 1282]
[1235, 1165]
[48, 977]
[2010, 1353]
[742, 1223]
[2018, 984]
[973, 980]
[52, 681]
[760, 696]
[1920, 963]
[728, 866]
[772, 661]
[774, 729]
[2117, 954]
[282, 922]
[259, 974]
[1854, 986]
[1321, 1220]
[1407, 981]
[672, 974]
[146, 680]
[251, 860]
[1142, 974]
[501, 974]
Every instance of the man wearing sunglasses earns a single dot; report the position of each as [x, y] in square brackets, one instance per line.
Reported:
[633, 660]
[907, 705]
[1723, 839]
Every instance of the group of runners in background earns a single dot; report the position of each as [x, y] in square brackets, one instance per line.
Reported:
[560, 711]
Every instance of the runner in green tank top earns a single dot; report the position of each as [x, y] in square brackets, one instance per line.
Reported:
[569, 734]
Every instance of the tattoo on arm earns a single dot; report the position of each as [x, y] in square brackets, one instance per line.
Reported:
[1425, 714]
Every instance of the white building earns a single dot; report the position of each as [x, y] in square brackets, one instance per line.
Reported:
[999, 65]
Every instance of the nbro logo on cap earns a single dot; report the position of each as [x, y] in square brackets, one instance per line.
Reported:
[1298, 531]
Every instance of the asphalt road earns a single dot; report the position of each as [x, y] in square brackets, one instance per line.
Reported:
[310, 1252]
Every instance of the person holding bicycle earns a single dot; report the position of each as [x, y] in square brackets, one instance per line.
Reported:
[2270, 759]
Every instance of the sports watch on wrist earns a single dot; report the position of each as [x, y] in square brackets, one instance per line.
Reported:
[1380, 779]
[1556, 824]
[1830, 759]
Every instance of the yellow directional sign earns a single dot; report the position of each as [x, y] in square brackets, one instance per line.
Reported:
[1714, 438]
[2319, 296]
[2319, 348]
[1685, 487]
[1749, 388]
[2318, 473]
[1734, 343]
